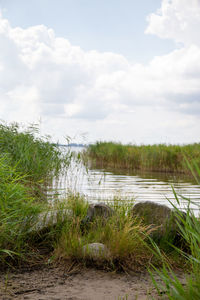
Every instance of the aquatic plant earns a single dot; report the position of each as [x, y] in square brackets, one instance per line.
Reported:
[164, 158]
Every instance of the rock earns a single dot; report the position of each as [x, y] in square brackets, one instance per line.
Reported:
[98, 210]
[50, 218]
[162, 218]
[96, 251]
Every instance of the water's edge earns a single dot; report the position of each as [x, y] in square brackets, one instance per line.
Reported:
[101, 185]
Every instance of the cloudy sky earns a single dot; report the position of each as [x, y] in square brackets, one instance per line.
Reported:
[120, 70]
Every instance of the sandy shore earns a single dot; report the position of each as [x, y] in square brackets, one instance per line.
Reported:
[75, 284]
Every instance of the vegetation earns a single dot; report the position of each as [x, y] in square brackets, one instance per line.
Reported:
[37, 158]
[123, 236]
[16, 205]
[28, 166]
[172, 286]
[162, 158]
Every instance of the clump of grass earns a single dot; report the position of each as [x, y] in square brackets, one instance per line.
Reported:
[189, 228]
[163, 158]
[120, 233]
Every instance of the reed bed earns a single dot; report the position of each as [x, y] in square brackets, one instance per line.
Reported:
[160, 158]
[37, 158]
[16, 206]
[28, 166]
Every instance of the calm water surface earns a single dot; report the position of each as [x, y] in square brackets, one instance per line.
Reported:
[101, 185]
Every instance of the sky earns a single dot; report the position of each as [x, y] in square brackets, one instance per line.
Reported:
[118, 70]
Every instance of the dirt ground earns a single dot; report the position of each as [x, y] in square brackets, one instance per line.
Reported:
[75, 283]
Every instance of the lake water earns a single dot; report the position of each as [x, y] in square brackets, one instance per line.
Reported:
[100, 185]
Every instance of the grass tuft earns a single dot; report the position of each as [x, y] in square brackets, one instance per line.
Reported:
[120, 233]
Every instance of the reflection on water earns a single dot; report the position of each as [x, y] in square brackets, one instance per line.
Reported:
[98, 185]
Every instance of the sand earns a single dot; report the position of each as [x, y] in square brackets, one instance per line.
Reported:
[75, 283]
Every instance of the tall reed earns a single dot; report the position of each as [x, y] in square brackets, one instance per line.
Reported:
[36, 157]
[189, 228]
[164, 158]
[28, 166]
[17, 207]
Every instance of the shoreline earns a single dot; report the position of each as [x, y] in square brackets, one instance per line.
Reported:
[77, 283]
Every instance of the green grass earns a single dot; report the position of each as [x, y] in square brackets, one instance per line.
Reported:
[161, 158]
[28, 166]
[190, 230]
[16, 206]
[123, 236]
[37, 158]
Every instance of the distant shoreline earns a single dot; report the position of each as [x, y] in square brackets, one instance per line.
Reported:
[73, 145]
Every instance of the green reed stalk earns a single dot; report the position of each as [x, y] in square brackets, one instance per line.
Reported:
[36, 157]
[28, 165]
[189, 228]
[164, 158]
[16, 206]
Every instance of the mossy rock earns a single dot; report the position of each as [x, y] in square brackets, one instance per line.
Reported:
[162, 219]
[97, 210]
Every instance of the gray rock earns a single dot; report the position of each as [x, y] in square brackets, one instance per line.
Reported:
[97, 210]
[50, 218]
[96, 251]
[161, 218]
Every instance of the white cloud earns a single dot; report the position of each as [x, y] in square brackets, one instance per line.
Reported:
[178, 20]
[103, 93]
